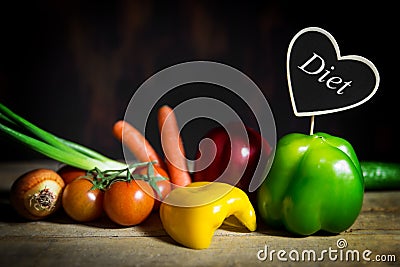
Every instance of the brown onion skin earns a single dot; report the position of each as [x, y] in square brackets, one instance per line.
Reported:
[30, 193]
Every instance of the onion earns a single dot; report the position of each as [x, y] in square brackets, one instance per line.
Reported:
[37, 193]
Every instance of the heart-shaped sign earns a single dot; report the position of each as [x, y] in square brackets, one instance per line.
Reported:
[322, 81]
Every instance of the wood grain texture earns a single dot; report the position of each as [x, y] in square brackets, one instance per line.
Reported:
[59, 241]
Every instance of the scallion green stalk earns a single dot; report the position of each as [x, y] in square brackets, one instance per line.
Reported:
[105, 169]
[45, 136]
[54, 147]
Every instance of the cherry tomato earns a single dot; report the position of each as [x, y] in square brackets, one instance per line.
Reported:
[164, 185]
[128, 203]
[69, 173]
[80, 202]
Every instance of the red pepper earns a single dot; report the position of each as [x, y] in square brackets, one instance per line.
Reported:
[236, 158]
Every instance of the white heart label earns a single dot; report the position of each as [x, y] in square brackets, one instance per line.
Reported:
[322, 81]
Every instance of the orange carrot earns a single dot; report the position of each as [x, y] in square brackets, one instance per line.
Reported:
[173, 147]
[136, 142]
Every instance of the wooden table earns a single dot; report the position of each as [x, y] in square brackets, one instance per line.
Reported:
[61, 242]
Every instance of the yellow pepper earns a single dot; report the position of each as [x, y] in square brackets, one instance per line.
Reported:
[191, 214]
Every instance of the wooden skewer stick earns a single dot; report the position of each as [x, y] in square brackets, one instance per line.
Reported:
[312, 125]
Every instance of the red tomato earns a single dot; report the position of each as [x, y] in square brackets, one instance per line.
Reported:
[69, 173]
[128, 203]
[80, 202]
[164, 185]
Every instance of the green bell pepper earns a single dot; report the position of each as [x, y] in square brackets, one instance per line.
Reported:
[315, 183]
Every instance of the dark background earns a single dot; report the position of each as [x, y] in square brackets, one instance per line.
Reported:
[71, 67]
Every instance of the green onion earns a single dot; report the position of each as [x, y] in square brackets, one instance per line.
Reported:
[52, 146]
[103, 168]
[45, 136]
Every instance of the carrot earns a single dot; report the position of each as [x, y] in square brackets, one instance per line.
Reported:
[136, 142]
[171, 142]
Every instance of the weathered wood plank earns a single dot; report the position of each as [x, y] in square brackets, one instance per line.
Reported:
[61, 241]
[162, 251]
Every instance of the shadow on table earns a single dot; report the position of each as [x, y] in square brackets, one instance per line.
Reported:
[7, 213]
[264, 229]
[152, 227]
